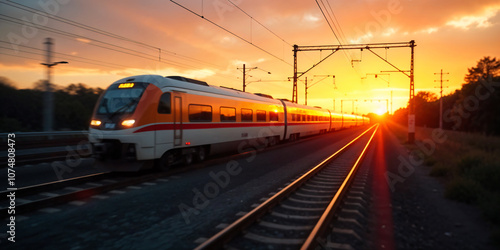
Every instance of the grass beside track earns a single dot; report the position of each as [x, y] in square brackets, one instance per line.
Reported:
[469, 165]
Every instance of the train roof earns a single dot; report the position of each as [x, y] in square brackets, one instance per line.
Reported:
[296, 105]
[196, 85]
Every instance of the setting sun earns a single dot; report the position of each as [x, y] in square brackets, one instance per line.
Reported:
[380, 111]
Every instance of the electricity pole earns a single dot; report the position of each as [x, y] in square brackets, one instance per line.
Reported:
[441, 97]
[48, 108]
[244, 77]
[307, 87]
[245, 70]
[368, 47]
[306, 90]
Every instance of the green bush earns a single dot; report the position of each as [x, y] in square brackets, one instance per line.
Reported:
[441, 170]
[463, 190]
[488, 175]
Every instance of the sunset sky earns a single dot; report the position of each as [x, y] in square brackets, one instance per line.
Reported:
[132, 36]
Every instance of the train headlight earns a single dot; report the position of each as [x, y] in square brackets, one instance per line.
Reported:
[95, 123]
[128, 123]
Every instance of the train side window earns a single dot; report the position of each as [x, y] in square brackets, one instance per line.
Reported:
[273, 116]
[261, 116]
[246, 115]
[293, 117]
[164, 107]
[227, 114]
[200, 113]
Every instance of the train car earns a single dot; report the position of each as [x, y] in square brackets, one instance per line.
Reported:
[144, 118]
[349, 120]
[303, 120]
[150, 120]
[366, 120]
[337, 121]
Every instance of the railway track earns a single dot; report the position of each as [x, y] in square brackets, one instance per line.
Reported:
[43, 195]
[35, 197]
[55, 193]
[300, 214]
[39, 147]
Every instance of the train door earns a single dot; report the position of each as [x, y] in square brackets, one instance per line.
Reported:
[177, 121]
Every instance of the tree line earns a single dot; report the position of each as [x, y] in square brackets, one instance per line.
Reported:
[473, 108]
[22, 109]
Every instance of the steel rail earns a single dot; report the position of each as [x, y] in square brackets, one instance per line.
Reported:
[43, 187]
[325, 219]
[218, 240]
[81, 194]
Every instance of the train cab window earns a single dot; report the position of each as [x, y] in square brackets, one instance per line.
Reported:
[246, 115]
[164, 107]
[200, 113]
[227, 114]
[261, 116]
[273, 116]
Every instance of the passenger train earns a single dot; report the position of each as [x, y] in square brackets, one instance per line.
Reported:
[146, 120]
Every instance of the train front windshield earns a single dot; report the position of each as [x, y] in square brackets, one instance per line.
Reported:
[121, 98]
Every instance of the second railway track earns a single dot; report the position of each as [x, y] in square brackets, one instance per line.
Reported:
[43, 195]
[298, 216]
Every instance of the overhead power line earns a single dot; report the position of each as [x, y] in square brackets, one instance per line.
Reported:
[335, 20]
[95, 42]
[272, 32]
[77, 24]
[107, 33]
[25, 57]
[339, 35]
[230, 32]
[66, 56]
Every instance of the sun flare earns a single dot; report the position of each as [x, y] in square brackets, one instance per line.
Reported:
[380, 111]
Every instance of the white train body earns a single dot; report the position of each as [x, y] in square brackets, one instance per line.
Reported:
[146, 118]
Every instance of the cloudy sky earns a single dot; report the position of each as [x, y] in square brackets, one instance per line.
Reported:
[104, 41]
